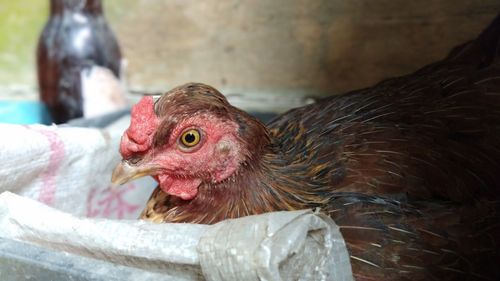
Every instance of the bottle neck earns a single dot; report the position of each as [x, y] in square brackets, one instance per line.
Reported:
[74, 6]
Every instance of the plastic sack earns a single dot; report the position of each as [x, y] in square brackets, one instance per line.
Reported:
[67, 170]
[298, 245]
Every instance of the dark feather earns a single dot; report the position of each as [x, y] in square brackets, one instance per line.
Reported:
[409, 168]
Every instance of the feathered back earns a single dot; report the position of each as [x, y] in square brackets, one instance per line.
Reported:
[432, 133]
[409, 168]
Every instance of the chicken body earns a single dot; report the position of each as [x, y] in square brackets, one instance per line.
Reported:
[408, 168]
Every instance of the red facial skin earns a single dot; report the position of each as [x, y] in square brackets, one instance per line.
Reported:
[182, 170]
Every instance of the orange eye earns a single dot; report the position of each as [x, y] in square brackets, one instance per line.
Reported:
[190, 138]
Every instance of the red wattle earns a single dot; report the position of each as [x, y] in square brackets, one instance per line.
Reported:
[186, 189]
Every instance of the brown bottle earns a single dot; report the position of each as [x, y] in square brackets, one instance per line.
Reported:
[75, 38]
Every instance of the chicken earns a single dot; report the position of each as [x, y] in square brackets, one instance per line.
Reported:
[408, 168]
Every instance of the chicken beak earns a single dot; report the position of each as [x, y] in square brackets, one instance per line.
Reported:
[124, 172]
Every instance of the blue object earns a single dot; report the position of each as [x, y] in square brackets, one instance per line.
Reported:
[23, 112]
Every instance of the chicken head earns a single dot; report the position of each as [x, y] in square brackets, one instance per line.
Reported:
[189, 136]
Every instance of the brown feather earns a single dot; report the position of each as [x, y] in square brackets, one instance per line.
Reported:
[408, 168]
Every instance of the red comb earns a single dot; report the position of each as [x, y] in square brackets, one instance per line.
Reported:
[143, 123]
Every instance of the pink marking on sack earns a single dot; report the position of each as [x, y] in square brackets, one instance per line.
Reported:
[91, 211]
[48, 188]
[110, 202]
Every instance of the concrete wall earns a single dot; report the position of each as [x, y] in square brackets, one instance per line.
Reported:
[317, 46]
[290, 46]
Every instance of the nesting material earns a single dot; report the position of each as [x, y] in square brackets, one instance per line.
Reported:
[56, 197]
[298, 245]
[69, 168]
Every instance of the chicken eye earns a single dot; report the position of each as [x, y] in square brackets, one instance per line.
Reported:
[190, 138]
